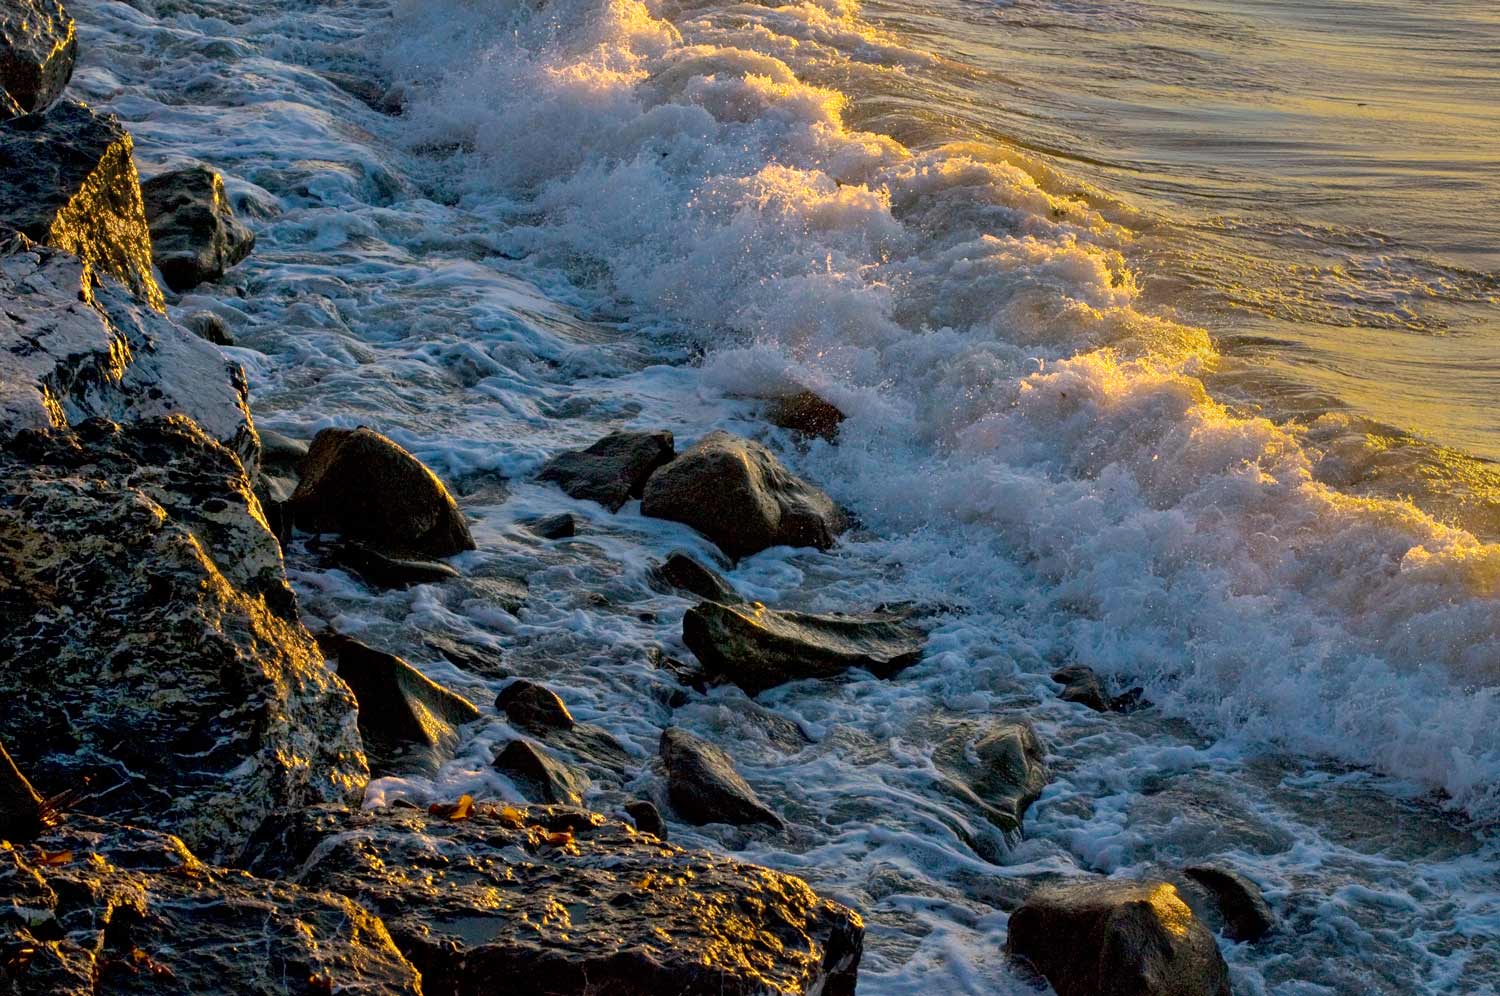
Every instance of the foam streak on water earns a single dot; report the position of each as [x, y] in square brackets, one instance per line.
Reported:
[583, 191]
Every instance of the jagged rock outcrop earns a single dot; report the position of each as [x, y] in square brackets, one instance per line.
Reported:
[195, 236]
[1111, 937]
[363, 485]
[38, 45]
[738, 494]
[72, 348]
[406, 719]
[758, 648]
[152, 654]
[703, 786]
[96, 907]
[1246, 915]
[682, 573]
[554, 900]
[999, 768]
[611, 471]
[69, 181]
[806, 414]
[540, 776]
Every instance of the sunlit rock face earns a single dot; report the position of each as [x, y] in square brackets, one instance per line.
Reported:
[38, 45]
[74, 347]
[548, 900]
[150, 656]
[95, 907]
[70, 182]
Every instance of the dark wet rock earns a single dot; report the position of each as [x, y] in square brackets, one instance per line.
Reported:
[1082, 685]
[274, 495]
[1247, 917]
[683, 573]
[38, 44]
[533, 707]
[21, 809]
[73, 347]
[372, 93]
[210, 327]
[559, 526]
[611, 471]
[1111, 937]
[703, 786]
[361, 484]
[194, 234]
[404, 716]
[280, 454]
[758, 648]
[647, 818]
[97, 907]
[386, 571]
[70, 182]
[484, 661]
[564, 901]
[807, 414]
[151, 643]
[738, 494]
[541, 777]
[1000, 768]
[1129, 700]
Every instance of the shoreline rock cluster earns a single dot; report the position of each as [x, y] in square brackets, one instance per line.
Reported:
[183, 763]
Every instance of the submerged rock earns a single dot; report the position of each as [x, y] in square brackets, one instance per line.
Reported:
[73, 348]
[98, 907]
[1247, 917]
[1082, 685]
[540, 776]
[703, 786]
[999, 768]
[361, 484]
[151, 644]
[21, 809]
[387, 571]
[195, 236]
[683, 573]
[403, 714]
[612, 470]
[552, 900]
[38, 45]
[533, 707]
[1111, 937]
[69, 181]
[559, 526]
[735, 492]
[758, 648]
[807, 414]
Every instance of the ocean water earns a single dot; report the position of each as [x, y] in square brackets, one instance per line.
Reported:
[1166, 333]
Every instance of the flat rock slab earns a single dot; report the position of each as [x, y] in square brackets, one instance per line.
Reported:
[67, 179]
[1113, 937]
[758, 648]
[553, 900]
[96, 907]
[611, 471]
[738, 494]
[703, 785]
[151, 645]
[195, 236]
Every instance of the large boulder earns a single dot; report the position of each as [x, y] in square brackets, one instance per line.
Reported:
[38, 44]
[703, 786]
[97, 907]
[758, 648]
[611, 471]
[735, 492]
[67, 179]
[361, 484]
[998, 768]
[544, 900]
[195, 236]
[1117, 938]
[152, 658]
[73, 347]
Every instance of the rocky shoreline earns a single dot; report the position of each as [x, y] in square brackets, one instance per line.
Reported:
[186, 761]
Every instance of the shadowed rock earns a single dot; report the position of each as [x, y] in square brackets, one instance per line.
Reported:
[1082, 685]
[703, 786]
[194, 234]
[998, 768]
[209, 327]
[69, 181]
[20, 807]
[735, 492]
[38, 45]
[541, 777]
[1246, 915]
[552, 900]
[559, 526]
[1117, 938]
[98, 907]
[533, 707]
[758, 648]
[386, 571]
[361, 484]
[683, 573]
[151, 644]
[806, 413]
[612, 470]
[403, 714]
[647, 818]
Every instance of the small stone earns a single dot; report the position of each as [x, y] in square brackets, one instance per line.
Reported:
[553, 527]
[1082, 685]
[703, 786]
[533, 707]
[542, 777]
[209, 326]
[685, 574]
[38, 45]
[647, 818]
[807, 414]
[1247, 916]
[612, 470]
[194, 234]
